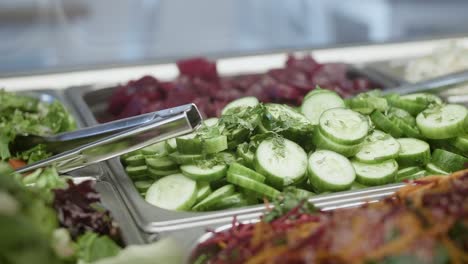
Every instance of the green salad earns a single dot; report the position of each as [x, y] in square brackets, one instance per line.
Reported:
[44, 217]
[254, 151]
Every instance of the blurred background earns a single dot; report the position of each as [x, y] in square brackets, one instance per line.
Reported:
[51, 35]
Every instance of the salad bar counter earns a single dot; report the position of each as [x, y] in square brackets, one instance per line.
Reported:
[273, 142]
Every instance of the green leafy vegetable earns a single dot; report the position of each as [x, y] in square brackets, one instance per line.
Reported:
[288, 200]
[92, 247]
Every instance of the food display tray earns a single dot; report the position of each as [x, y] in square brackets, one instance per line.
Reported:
[97, 173]
[91, 103]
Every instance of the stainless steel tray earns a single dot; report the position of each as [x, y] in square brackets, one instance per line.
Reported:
[91, 102]
[99, 174]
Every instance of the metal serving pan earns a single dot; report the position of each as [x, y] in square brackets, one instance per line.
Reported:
[97, 173]
[91, 103]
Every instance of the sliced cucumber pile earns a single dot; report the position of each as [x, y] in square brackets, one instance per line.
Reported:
[254, 151]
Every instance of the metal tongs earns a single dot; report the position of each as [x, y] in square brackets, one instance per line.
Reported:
[91, 145]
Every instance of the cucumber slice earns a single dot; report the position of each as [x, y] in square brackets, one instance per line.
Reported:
[448, 161]
[160, 163]
[375, 174]
[203, 190]
[237, 168]
[413, 152]
[343, 125]
[143, 185]
[407, 171]
[377, 147]
[189, 144]
[155, 149]
[231, 201]
[173, 192]
[133, 153]
[136, 172]
[461, 143]
[366, 105]
[246, 155]
[423, 97]
[317, 91]
[401, 114]
[330, 171]
[214, 144]
[442, 122]
[433, 169]
[156, 173]
[411, 106]
[214, 197]
[408, 130]
[211, 122]
[185, 158]
[201, 173]
[171, 145]
[288, 122]
[135, 160]
[252, 185]
[248, 101]
[414, 176]
[283, 164]
[383, 123]
[322, 142]
[314, 105]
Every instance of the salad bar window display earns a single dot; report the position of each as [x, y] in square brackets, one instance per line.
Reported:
[239, 187]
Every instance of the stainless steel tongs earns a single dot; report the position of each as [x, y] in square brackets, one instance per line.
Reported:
[91, 145]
